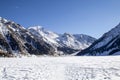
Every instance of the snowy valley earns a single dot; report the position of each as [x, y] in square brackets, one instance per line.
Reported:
[59, 39]
[34, 48]
[61, 68]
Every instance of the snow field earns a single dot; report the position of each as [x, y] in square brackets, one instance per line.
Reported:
[60, 68]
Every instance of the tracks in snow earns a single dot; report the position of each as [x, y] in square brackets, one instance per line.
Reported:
[60, 68]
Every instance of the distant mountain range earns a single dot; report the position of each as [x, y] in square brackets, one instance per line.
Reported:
[108, 44]
[16, 40]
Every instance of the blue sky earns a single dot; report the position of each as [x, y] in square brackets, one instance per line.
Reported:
[91, 17]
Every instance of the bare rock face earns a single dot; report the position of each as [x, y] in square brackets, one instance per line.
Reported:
[16, 40]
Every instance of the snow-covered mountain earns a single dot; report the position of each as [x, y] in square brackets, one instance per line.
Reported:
[16, 40]
[64, 43]
[108, 44]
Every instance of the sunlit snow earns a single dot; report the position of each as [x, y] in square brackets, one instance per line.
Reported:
[60, 68]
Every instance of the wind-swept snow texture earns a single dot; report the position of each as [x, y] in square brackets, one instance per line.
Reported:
[60, 68]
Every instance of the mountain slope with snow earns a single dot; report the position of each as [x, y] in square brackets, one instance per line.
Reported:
[65, 43]
[108, 44]
[16, 40]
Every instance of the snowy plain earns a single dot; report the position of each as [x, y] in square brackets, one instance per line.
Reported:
[60, 68]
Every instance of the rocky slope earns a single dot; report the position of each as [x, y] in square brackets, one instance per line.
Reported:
[15, 40]
[64, 43]
[108, 44]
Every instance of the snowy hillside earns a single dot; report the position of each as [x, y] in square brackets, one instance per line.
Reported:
[15, 40]
[60, 68]
[108, 44]
[71, 42]
[46, 35]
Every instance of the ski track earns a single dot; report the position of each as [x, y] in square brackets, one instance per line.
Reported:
[60, 68]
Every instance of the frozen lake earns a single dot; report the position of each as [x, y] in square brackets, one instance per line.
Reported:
[60, 68]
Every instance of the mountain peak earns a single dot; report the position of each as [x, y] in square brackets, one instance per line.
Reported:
[37, 40]
[3, 20]
[67, 34]
[36, 28]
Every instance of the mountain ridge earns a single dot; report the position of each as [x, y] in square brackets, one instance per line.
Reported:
[66, 40]
[108, 44]
[17, 40]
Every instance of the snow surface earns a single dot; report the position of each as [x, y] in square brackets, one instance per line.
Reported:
[60, 68]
